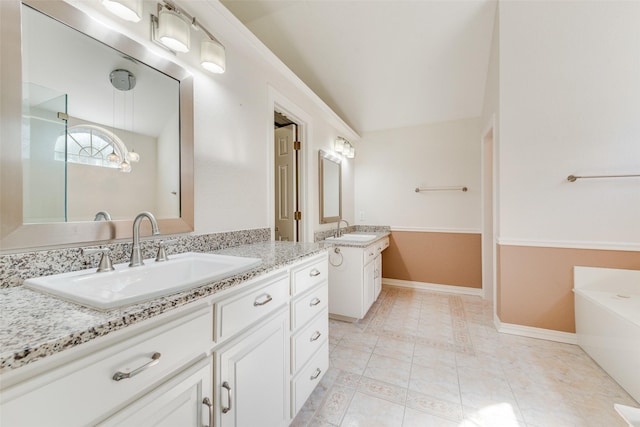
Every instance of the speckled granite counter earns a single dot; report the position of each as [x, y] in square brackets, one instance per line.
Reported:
[35, 325]
[356, 243]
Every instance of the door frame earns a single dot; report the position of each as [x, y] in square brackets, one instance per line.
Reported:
[278, 102]
[490, 131]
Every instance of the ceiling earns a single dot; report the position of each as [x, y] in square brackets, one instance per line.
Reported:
[381, 64]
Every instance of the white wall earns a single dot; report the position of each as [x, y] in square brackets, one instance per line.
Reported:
[570, 104]
[233, 119]
[392, 163]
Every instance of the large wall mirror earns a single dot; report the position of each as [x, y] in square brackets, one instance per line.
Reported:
[330, 179]
[96, 123]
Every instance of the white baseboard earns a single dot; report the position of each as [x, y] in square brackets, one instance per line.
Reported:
[539, 333]
[433, 287]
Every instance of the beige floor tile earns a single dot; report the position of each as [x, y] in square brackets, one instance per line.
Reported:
[335, 405]
[369, 411]
[415, 418]
[395, 348]
[389, 370]
[349, 359]
[437, 360]
[383, 390]
[435, 406]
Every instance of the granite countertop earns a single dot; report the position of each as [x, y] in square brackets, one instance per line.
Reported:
[356, 243]
[34, 325]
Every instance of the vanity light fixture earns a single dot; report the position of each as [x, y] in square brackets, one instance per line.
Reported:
[344, 147]
[171, 30]
[129, 10]
[350, 153]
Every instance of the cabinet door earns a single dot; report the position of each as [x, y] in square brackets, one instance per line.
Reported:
[378, 277]
[369, 286]
[178, 402]
[252, 381]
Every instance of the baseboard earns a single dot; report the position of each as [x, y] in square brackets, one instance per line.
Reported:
[433, 287]
[539, 333]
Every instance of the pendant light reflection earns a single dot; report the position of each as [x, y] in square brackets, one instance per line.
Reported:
[129, 10]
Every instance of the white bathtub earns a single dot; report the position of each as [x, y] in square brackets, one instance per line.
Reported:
[607, 304]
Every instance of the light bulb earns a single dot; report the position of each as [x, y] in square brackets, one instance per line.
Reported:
[134, 157]
[113, 157]
[129, 10]
[125, 167]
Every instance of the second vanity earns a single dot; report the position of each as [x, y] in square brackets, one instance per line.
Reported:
[244, 352]
[355, 273]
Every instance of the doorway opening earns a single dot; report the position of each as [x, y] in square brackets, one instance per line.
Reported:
[288, 213]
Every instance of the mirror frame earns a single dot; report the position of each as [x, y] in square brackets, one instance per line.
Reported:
[15, 236]
[322, 156]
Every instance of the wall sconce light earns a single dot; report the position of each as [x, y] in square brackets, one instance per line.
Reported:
[351, 152]
[129, 10]
[171, 30]
[344, 147]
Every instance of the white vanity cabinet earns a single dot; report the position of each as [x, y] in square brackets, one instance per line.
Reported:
[355, 279]
[244, 357]
[309, 328]
[83, 390]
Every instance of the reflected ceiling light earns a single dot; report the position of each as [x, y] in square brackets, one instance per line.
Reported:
[129, 10]
[212, 56]
[173, 30]
[133, 156]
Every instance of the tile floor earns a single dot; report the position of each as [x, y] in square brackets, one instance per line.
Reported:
[423, 359]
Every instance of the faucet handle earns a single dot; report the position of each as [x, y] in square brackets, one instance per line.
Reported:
[105, 260]
[162, 253]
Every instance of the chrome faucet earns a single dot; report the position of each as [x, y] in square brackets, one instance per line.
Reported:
[338, 231]
[102, 214]
[136, 256]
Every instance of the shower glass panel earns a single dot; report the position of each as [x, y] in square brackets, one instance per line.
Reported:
[44, 170]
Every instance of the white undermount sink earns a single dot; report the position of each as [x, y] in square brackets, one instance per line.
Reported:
[129, 285]
[353, 237]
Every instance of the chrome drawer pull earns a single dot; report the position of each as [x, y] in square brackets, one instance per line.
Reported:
[209, 405]
[266, 300]
[316, 374]
[228, 387]
[315, 336]
[315, 272]
[155, 359]
[314, 302]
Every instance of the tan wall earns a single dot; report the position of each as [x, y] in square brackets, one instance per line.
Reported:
[535, 283]
[443, 258]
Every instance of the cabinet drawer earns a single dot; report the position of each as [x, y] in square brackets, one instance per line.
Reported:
[233, 314]
[78, 393]
[308, 276]
[308, 378]
[369, 254]
[309, 340]
[382, 245]
[304, 307]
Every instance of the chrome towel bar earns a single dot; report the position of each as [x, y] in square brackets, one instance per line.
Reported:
[463, 189]
[574, 178]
